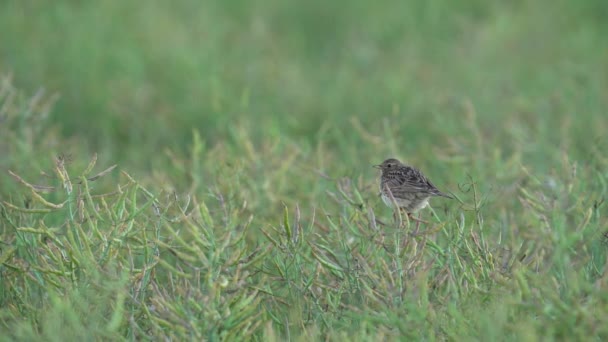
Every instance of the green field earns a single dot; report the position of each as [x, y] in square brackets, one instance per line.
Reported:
[201, 170]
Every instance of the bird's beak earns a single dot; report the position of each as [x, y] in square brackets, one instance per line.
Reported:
[376, 166]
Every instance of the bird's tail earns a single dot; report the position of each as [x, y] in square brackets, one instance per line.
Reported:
[443, 194]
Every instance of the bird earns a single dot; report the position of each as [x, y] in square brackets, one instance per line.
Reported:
[405, 186]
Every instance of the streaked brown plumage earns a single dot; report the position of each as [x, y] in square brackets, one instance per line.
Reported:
[406, 186]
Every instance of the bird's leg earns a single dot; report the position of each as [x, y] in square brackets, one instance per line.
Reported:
[418, 220]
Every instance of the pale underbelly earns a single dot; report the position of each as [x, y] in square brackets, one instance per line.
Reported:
[411, 206]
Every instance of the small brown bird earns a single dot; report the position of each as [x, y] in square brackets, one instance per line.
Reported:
[406, 186]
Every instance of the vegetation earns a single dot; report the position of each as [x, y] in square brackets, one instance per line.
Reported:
[202, 170]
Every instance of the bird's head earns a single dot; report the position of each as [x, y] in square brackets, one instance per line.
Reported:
[389, 164]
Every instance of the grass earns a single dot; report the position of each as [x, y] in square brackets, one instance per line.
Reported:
[203, 171]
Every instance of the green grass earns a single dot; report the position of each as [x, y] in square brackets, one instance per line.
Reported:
[243, 205]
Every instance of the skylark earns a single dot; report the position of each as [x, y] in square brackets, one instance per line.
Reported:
[406, 186]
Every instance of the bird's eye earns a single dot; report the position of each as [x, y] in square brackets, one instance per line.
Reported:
[389, 165]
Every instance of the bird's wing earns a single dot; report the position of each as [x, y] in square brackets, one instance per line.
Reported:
[413, 181]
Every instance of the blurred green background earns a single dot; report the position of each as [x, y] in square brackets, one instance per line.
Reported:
[137, 76]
